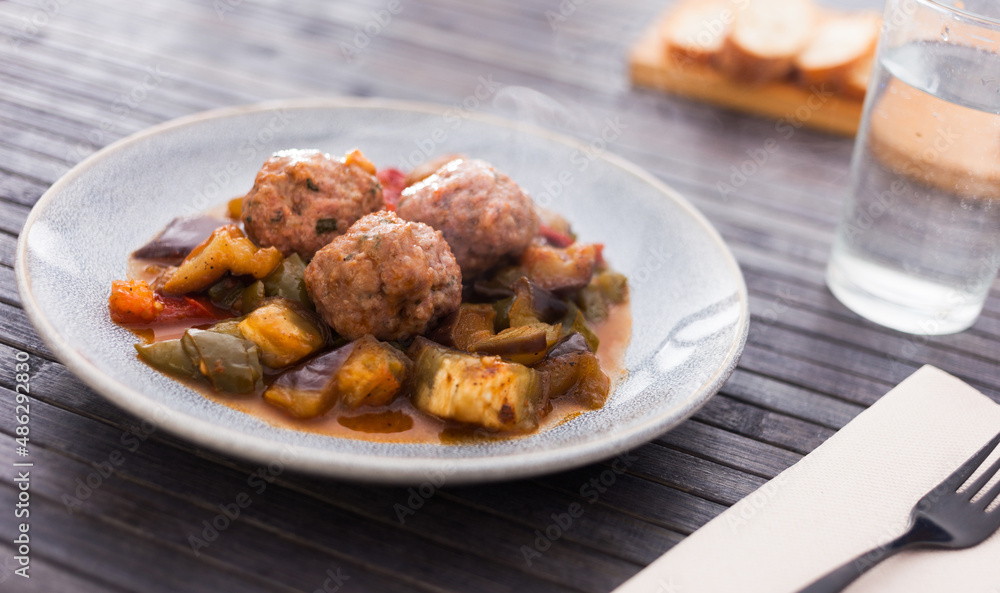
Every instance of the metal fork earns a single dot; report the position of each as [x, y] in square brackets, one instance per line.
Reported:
[944, 518]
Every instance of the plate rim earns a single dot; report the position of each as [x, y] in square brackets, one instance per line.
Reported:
[383, 469]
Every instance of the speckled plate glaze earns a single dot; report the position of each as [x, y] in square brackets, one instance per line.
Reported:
[689, 301]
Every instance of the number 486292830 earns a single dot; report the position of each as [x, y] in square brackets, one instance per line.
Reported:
[22, 387]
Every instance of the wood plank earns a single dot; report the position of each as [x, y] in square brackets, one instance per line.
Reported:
[17, 331]
[12, 216]
[89, 547]
[241, 547]
[692, 474]
[763, 425]
[617, 534]
[47, 576]
[20, 190]
[8, 287]
[8, 249]
[791, 400]
[734, 450]
[661, 505]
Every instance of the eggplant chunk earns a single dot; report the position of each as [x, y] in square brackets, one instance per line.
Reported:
[525, 344]
[178, 238]
[572, 370]
[283, 334]
[482, 390]
[227, 250]
[467, 326]
[533, 304]
[231, 363]
[560, 270]
[310, 389]
[373, 374]
[364, 372]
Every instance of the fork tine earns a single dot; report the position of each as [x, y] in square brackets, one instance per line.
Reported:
[983, 480]
[955, 480]
[990, 496]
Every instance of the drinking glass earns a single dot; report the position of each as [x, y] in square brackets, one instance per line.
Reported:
[919, 244]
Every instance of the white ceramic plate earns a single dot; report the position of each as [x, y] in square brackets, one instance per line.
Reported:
[689, 301]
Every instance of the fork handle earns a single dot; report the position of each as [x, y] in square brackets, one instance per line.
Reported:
[839, 578]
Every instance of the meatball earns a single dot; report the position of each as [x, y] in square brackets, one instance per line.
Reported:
[385, 277]
[481, 212]
[302, 199]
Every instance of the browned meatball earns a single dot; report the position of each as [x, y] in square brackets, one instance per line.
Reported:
[482, 213]
[302, 199]
[385, 277]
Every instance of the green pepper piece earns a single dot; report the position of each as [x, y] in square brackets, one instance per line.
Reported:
[228, 326]
[576, 322]
[502, 320]
[593, 303]
[288, 280]
[252, 296]
[231, 363]
[225, 292]
[613, 286]
[169, 357]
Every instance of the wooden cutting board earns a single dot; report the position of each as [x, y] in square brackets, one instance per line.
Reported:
[817, 107]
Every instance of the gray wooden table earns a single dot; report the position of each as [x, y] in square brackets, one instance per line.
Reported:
[76, 75]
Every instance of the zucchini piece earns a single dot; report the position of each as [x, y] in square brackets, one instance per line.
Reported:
[284, 333]
[230, 363]
[485, 391]
[467, 326]
[364, 372]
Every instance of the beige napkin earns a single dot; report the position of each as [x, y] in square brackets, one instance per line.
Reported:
[852, 493]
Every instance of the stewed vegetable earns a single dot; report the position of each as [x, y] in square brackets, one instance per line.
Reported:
[483, 390]
[284, 333]
[227, 250]
[365, 372]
